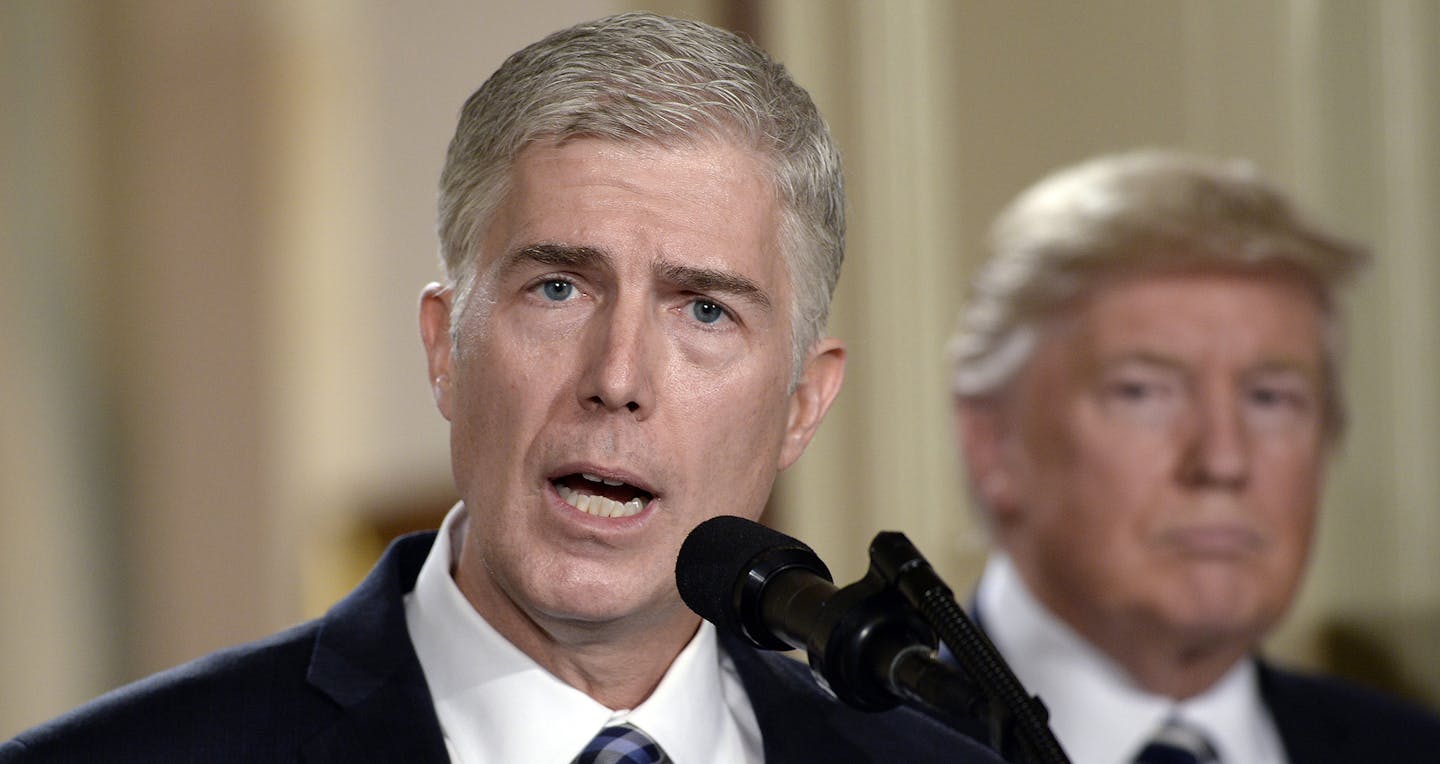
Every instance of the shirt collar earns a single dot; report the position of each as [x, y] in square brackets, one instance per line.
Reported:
[1097, 711]
[496, 704]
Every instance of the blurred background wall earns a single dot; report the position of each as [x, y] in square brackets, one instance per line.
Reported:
[216, 217]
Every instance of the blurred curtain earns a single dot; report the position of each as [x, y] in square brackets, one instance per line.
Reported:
[57, 618]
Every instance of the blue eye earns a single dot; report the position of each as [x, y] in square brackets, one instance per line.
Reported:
[707, 312]
[557, 290]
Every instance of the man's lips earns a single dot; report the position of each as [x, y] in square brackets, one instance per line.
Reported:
[601, 493]
[1215, 540]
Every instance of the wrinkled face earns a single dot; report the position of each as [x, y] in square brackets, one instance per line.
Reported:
[1163, 460]
[619, 375]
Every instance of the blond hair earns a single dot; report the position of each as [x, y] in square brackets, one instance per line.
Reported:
[1125, 213]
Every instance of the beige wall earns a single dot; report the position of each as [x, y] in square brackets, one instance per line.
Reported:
[215, 219]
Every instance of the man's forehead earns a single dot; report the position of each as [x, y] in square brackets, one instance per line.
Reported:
[1255, 319]
[707, 207]
[1185, 274]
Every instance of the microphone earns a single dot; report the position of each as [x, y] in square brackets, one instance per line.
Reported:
[753, 581]
[871, 643]
[864, 644]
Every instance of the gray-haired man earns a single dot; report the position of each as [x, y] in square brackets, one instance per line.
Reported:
[642, 223]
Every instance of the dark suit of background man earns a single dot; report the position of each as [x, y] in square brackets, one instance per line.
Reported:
[642, 222]
[1147, 392]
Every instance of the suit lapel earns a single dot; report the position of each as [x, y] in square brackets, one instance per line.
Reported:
[793, 720]
[1306, 729]
[365, 663]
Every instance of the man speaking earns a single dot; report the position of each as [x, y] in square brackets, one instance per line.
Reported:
[642, 223]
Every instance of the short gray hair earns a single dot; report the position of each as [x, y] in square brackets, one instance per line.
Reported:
[1132, 212]
[643, 78]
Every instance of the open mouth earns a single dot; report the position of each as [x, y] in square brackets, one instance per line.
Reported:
[600, 496]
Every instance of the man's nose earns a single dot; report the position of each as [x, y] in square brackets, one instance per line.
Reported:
[623, 347]
[1218, 452]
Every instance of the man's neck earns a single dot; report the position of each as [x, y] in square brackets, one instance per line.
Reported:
[1159, 659]
[1166, 667]
[617, 663]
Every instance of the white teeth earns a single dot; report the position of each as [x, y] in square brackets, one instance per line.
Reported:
[598, 479]
[599, 506]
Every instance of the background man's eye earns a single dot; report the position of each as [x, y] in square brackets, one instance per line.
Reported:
[1267, 397]
[707, 312]
[1133, 389]
[557, 290]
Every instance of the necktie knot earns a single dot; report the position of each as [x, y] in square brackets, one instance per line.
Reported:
[1177, 743]
[622, 744]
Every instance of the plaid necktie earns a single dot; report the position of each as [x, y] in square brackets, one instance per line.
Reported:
[622, 744]
[1177, 743]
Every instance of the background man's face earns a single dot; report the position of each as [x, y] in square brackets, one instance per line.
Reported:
[1164, 456]
[620, 373]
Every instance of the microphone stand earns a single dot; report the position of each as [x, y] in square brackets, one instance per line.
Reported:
[1018, 721]
[873, 646]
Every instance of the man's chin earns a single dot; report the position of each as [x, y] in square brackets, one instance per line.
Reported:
[595, 607]
[1216, 624]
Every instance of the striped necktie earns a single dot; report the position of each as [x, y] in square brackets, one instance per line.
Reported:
[622, 744]
[1177, 743]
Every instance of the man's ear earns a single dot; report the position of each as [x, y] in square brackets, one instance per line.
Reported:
[435, 304]
[983, 430]
[818, 386]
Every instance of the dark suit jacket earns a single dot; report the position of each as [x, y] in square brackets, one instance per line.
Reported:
[348, 687]
[1324, 720]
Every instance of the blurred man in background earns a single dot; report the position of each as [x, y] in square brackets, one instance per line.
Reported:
[642, 223]
[1147, 392]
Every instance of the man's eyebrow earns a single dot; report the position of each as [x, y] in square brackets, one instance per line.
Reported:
[1270, 367]
[711, 281]
[554, 255]
[1143, 358]
[1266, 366]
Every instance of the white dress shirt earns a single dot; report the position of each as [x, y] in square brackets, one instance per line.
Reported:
[1097, 712]
[496, 704]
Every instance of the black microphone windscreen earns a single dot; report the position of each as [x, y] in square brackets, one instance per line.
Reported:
[720, 554]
